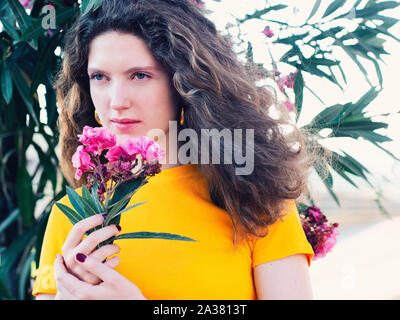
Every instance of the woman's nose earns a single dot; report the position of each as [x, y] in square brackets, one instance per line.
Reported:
[119, 96]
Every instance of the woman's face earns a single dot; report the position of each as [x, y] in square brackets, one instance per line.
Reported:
[131, 92]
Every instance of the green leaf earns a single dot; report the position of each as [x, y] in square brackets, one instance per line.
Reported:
[151, 235]
[14, 250]
[75, 200]
[112, 215]
[72, 215]
[4, 292]
[259, 13]
[87, 5]
[46, 56]
[298, 91]
[23, 90]
[89, 207]
[314, 9]
[333, 7]
[36, 29]
[292, 39]
[95, 199]
[9, 28]
[24, 21]
[49, 170]
[362, 125]
[377, 7]
[125, 188]
[9, 220]
[85, 193]
[25, 196]
[327, 116]
[6, 83]
[371, 136]
[322, 61]
[340, 169]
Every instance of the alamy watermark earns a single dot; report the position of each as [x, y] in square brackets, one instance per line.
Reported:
[209, 146]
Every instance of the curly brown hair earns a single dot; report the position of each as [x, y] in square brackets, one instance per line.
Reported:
[216, 91]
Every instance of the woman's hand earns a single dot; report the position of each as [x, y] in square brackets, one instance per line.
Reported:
[114, 285]
[74, 244]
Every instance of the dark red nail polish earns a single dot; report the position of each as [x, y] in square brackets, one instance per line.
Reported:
[119, 228]
[80, 257]
[104, 215]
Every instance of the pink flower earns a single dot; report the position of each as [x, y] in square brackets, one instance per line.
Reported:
[150, 150]
[315, 213]
[326, 245]
[289, 105]
[27, 4]
[268, 32]
[82, 162]
[281, 84]
[97, 139]
[199, 3]
[115, 154]
[320, 234]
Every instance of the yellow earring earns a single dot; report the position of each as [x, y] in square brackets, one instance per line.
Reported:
[182, 114]
[96, 116]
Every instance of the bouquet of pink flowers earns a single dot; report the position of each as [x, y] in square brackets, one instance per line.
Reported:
[320, 234]
[114, 174]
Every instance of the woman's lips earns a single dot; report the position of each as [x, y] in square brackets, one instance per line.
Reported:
[125, 124]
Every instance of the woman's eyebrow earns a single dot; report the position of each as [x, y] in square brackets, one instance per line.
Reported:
[130, 70]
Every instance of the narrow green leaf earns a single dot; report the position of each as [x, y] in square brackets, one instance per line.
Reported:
[24, 21]
[385, 150]
[367, 135]
[259, 13]
[333, 7]
[9, 220]
[362, 125]
[95, 199]
[87, 5]
[4, 292]
[85, 193]
[25, 196]
[75, 200]
[341, 171]
[10, 256]
[9, 28]
[46, 56]
[314, 9]
[6, 83]
[298, 91]
[375, 8]
[89, 207]
[23, 90]
[111, 216]
[72, 215]
[125, 188]
[327, 116]
[152, 235]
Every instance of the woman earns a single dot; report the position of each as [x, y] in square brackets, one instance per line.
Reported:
[139, 65]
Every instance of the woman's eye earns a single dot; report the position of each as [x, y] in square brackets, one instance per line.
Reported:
[140, 75]
[97, 76]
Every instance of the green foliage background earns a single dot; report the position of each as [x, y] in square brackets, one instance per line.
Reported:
[31, 55]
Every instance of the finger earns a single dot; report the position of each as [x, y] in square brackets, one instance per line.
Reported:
[59, 270]
[112, 262]
[79, 229]
[99, 269]
[69, 284]
[105, 251]
[91, 241]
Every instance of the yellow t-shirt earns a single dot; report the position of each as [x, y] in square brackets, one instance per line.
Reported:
[210, 268]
